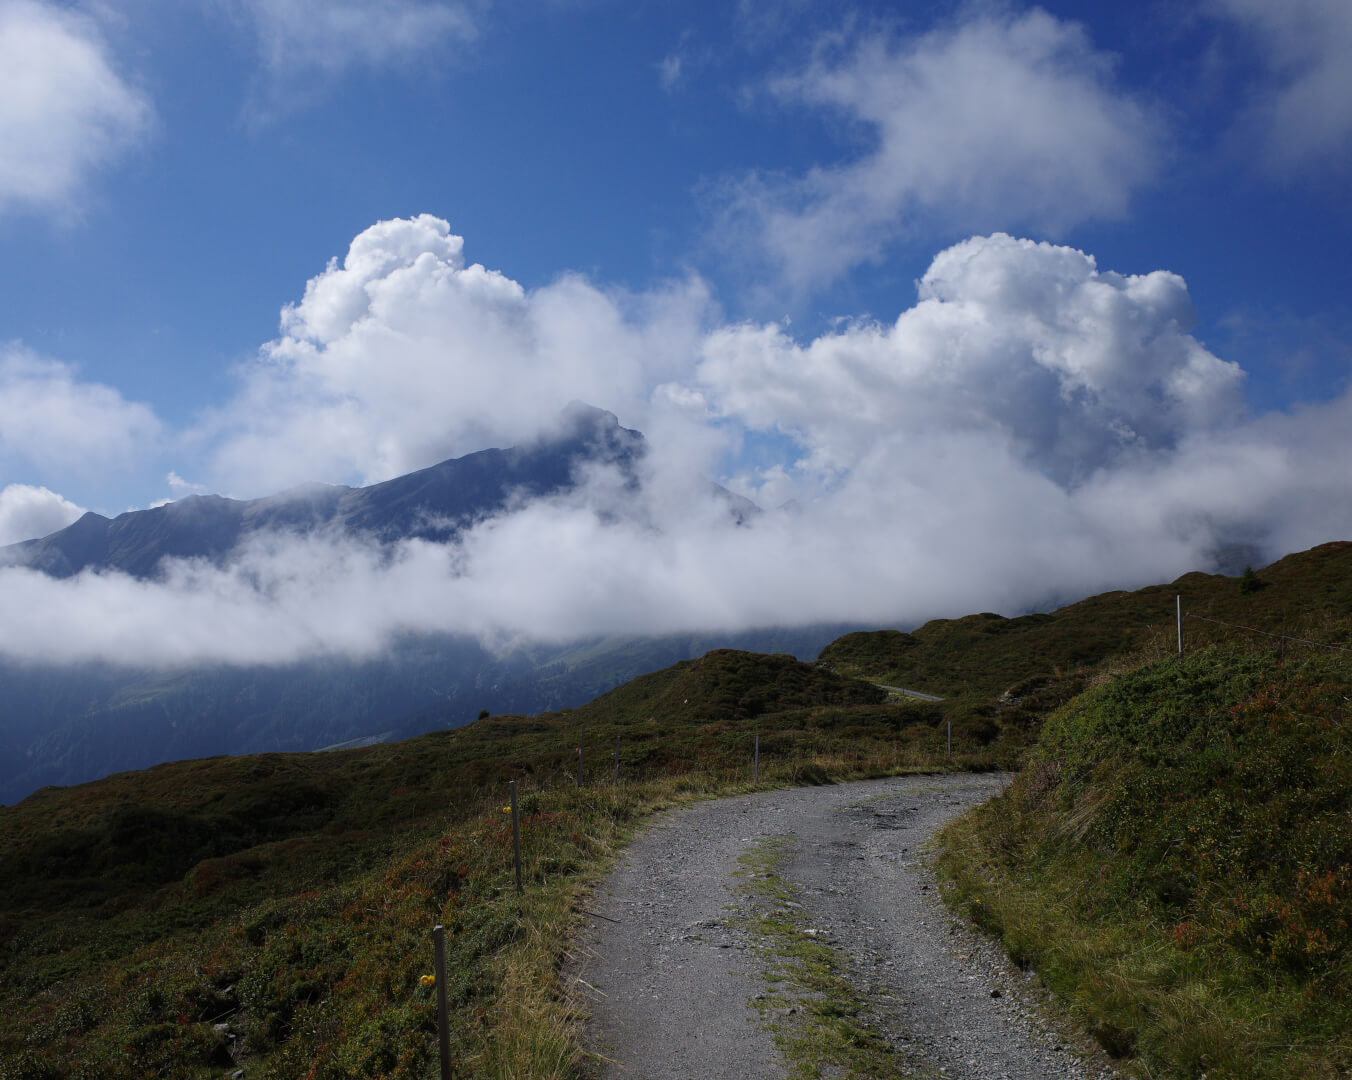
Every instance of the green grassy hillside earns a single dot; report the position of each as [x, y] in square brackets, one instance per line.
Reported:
[1176, 861]
[274, 911]
[1002, 677]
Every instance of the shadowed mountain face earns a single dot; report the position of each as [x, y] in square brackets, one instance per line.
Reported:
[431, 504]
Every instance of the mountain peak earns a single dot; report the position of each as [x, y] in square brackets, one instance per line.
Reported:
[434, 504]
[578, 413]
[583, 430]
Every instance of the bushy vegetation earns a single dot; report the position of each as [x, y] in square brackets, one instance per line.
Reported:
[1001, 678]
[276, 910]
[1176, 860]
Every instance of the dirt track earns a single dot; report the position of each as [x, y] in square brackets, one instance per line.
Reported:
[669, 983]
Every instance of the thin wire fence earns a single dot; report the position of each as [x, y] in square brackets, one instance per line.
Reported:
[1267, 633]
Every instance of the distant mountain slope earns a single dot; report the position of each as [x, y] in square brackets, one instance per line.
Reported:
[67, 725]
[210, 807]
[64, 724]
[431, 504]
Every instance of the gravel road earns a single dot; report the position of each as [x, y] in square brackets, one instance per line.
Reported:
[669, 983]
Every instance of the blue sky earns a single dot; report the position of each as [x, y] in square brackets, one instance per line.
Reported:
[703, 216]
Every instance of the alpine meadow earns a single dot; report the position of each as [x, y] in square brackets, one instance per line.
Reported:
[779, 539]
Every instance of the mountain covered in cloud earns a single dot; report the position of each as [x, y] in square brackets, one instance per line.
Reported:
[66, 720]
[1033, 428]
[433, 504]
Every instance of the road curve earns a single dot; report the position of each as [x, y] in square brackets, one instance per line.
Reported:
[668, 983]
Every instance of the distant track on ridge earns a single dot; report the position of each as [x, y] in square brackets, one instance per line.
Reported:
[908, 693]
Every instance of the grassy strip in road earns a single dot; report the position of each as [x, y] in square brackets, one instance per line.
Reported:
[817, 1019]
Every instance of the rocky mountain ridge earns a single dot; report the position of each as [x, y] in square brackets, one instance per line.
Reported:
[433, 504]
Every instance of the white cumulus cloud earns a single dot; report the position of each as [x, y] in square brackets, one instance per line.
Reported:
[1032, 429]
[402, 355]
[65, 111]
[996, 121]
[28, 512]
[1073, 367]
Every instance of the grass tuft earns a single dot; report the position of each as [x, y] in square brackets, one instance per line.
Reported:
[818, 1021]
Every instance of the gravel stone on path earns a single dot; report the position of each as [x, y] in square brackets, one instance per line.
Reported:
[668, 985]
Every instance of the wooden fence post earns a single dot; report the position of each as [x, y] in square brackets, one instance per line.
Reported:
[516, 835]
[443, 1016]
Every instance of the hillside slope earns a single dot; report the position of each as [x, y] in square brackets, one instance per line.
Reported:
[141, 829]
[1176, 861]
[1001, 677]
[288, 897]
[67, 725]
[273, 910]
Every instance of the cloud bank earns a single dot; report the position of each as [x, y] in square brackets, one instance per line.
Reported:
[64, 111]
[1031, 429]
